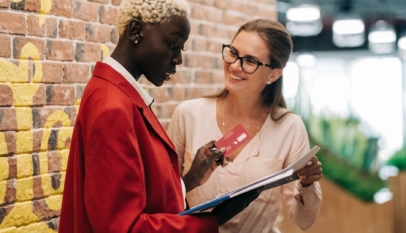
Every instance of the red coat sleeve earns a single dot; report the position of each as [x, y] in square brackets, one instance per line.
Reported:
[114, 184]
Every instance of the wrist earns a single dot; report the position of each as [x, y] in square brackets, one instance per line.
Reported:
[190, 181]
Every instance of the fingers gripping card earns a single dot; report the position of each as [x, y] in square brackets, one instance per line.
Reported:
[233, 139]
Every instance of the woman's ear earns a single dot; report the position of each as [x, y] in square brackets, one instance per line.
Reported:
[275, 75]
[134, 31]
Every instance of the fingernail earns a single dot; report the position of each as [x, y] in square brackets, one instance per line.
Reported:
[222, 149]
[309, 163]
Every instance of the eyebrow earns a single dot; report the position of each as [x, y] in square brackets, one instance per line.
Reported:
[178, 34]
[249, 56]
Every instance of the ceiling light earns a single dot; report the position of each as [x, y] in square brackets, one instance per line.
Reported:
[382, 37]
[306, 60]
[348, 31]
[304, 20]
[402, 47]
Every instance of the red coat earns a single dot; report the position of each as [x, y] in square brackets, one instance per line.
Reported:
[123, 173]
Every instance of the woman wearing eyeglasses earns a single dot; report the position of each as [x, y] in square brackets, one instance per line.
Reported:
[252, 97]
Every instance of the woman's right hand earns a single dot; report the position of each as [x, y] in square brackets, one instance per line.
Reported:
[230, 208]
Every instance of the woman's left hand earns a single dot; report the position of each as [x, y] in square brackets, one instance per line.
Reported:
[310, 173]
[206, 160]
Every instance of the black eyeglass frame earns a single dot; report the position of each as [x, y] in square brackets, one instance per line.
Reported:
[259, 63]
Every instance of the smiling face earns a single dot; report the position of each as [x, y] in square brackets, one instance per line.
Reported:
[248, 44]
[160, 49]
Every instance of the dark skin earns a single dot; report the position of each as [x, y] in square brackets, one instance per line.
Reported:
[155, 52]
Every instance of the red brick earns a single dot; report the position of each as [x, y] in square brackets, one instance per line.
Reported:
[207, 61]
[75, 73]
[249, 8]
[72, 29]
[39, 98]
[5, 46]
[10, 138]
[13, 23]
[194, 92]
[159, 94]
[235, 18]
[114, 35]
[198, 12]
[49, 29]
[167, 110]
[101, 1]
[59, 50]
[41, 115]
[177, 93]
[32, 5]
[267, 12]
[165, 124]
[4, 3]
[27, 5]
[52, 72]
[60, 95]
[215, 47]
[8, 119]
[208, 2]
[87, 11]
[199, 44]
[98, 32]
[194, 27]
[108, 14]
[116, 2]
[192, 60]
[79, 88]
[62, 8]
[54, 161]
[37, 139]
[209, 90]
[20, 42]
[11, 191]
[203, 77]
[217, 77]
[214, 14]
[223, 4]
[88, 52]
[6, 95]
[181, 77]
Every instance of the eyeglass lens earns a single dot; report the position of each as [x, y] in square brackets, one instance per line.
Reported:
[230, 56]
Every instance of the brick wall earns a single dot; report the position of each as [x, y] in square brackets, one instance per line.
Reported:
[47, 51]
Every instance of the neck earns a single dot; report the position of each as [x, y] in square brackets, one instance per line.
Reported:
[244, 107]
[122, 55]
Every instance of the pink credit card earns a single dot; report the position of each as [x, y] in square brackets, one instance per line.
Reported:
[233, 139]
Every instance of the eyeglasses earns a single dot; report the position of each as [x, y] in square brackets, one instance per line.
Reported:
[248, 64]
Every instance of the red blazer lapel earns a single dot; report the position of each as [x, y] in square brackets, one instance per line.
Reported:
[104, 71]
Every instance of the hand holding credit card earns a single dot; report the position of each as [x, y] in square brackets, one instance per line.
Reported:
[233, 139]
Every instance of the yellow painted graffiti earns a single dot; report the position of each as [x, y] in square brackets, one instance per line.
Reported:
[22, 217]
[57, 116]
[105, 50]
[46, 6]
[9, 72]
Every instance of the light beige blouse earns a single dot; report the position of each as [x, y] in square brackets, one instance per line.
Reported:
[274, 147]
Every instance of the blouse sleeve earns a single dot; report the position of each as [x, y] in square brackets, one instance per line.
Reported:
[303, 215]
[176, 132]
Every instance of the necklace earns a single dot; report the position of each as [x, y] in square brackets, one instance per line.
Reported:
[248, 126]
[232, 117]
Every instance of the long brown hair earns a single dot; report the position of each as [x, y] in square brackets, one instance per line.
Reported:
[280, 47]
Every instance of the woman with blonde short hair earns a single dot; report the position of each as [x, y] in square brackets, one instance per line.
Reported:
[123, 173]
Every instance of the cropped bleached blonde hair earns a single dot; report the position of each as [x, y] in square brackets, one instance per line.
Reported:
[150, 12]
